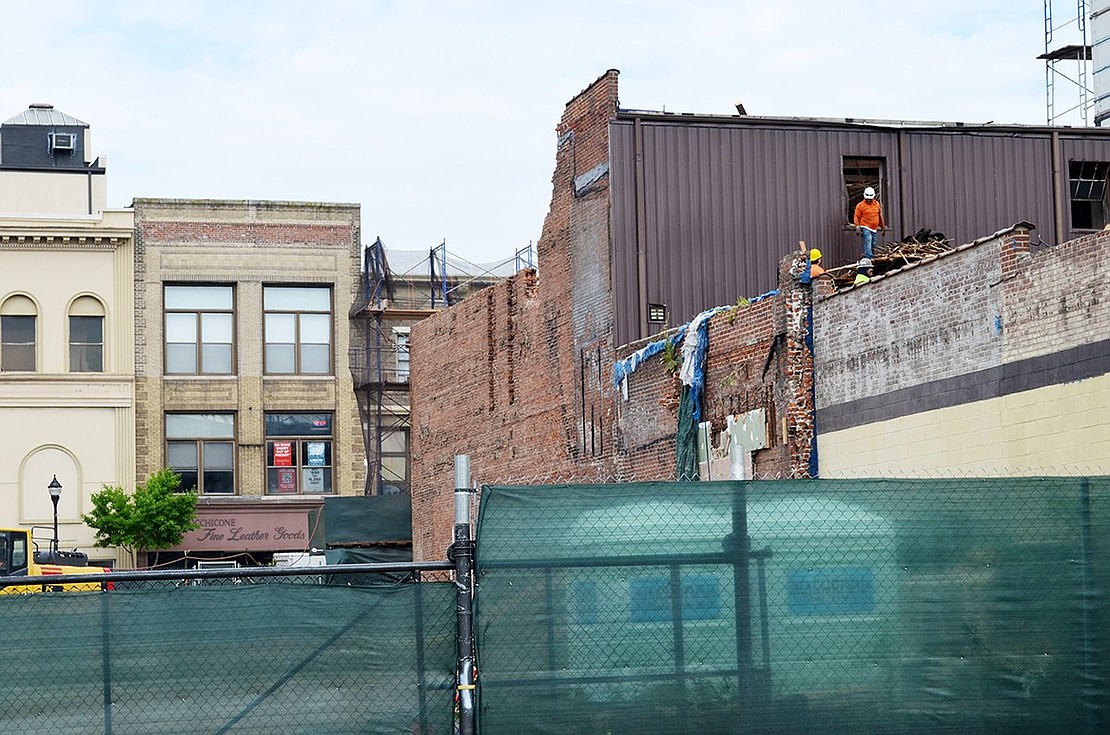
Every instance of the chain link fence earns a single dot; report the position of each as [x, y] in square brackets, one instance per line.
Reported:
[233, 651]
[825, 606]
[870, 606]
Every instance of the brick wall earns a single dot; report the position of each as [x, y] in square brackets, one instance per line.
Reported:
[516, 376]
[757, 358]
[248, 244]
[989, 360]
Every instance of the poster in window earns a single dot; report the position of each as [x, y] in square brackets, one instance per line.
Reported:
[287, 481]
[283, 454]
[315, 454]
[314, 480]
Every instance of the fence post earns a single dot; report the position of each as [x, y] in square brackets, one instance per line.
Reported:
[739, 547]
[462, 552]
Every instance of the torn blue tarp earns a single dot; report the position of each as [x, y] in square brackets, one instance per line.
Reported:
[694, 346]
[623, 368]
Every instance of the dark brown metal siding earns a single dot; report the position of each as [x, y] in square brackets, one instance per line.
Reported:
[972, 184]
[1075, 149]
[724, 203]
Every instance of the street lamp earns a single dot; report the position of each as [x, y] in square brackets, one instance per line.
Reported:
[55, 489]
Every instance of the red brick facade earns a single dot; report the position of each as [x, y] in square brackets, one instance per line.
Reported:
[520, 376]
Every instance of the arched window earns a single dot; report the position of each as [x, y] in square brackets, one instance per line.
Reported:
[18, 316]
[86, 335]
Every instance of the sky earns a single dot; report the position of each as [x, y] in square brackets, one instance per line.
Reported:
[438, 118]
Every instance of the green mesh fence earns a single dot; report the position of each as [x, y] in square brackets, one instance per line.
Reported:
[875, 606]
[238, 657]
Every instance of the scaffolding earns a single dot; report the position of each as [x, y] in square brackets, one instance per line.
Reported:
[391, 299]
[1059, 59]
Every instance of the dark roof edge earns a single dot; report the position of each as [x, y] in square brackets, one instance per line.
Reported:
[54, 169]
[688, 118]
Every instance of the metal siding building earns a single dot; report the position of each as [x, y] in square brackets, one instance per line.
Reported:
[704, 208]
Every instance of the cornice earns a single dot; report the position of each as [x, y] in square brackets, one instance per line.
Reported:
[109, 240]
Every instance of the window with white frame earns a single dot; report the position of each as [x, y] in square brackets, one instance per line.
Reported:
[201, 448]
[401, 346]
[86, 336]
[18, 325]
[200, 330]
[298, 453]
[298, 330]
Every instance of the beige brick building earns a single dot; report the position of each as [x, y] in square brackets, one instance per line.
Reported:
[242, 377]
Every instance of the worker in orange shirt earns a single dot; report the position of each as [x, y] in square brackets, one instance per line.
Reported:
[868, 219]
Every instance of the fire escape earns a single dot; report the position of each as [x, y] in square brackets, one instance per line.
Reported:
[389, 303]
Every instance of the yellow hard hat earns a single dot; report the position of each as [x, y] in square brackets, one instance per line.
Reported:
[814, 255]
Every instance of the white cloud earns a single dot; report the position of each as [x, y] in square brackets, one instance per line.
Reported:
[439, 117]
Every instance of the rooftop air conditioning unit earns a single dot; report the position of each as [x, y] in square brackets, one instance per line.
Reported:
[63, 141]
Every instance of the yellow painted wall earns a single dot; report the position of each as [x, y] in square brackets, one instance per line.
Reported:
[1056, 430]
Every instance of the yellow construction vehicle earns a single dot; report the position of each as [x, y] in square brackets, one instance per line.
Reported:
[20, 558]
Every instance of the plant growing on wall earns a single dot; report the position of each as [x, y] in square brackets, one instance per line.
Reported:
[156, 516]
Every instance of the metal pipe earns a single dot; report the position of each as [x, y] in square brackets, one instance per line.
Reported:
[1057, 191]
[462, 551]
[641, 227]
[176, 575]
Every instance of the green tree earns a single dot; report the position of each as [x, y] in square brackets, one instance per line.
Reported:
[156, 516]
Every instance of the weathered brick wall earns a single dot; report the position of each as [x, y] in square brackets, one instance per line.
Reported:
[990, 360]
[757, 357]
[928, 322]
[1056, 298]
[517, 375]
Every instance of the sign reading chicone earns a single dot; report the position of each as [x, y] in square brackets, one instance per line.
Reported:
[247, 530]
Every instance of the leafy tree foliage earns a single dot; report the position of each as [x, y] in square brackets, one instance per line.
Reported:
[156, 516]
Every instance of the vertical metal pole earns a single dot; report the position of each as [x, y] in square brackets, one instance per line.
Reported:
[740, 547]
[1090, 704]
[421, 673]
[106, 661]
[549, 600]
[679, 642]
[463, 554]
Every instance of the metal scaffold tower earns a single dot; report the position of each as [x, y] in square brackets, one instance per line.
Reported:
[1059, 60]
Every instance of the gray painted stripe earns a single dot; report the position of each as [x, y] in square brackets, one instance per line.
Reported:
[1077, 363]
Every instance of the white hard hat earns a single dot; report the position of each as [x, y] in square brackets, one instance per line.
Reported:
[864, 263]
[869, 193]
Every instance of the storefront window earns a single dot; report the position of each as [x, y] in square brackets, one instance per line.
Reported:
[298, 453]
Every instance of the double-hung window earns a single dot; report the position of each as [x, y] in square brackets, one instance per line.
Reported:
[201, 448]
[18, 325]
[401, 340]
[86, 336]
[200, 331]
[298, 453]
[395, 461]
[298, 330]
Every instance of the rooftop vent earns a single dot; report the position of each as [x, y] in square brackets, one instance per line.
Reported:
[63, 141]
[41, 106]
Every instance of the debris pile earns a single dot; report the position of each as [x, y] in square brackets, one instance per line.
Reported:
[912, 248]
[891, 256]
